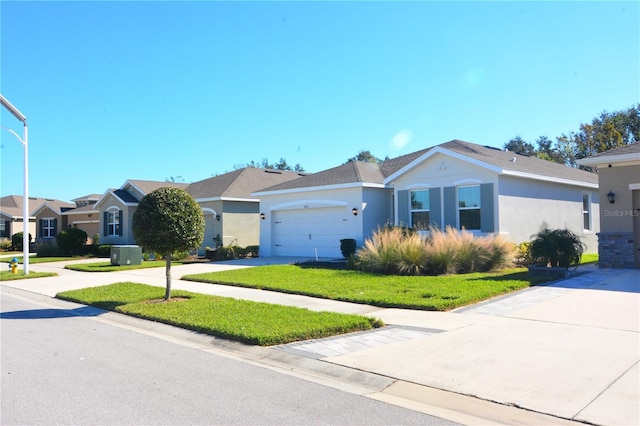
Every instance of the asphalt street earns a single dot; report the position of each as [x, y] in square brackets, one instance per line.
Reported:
[67, 364]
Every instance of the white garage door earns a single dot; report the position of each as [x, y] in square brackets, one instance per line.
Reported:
[305, 232]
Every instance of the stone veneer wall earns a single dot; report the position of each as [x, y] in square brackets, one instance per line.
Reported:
[615, 250]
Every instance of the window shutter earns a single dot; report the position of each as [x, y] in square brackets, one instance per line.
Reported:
[120, 223]
[403, 208]
[486, 208]
[40, 228]
[435, 209]
[450, 208]
[54, 231]
[105, 224]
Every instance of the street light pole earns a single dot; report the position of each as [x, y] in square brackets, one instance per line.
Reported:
[25, 204]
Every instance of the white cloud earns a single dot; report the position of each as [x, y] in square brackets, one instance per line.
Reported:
[401, 138]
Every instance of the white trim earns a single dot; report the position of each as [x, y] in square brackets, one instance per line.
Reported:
[308, 204]
[208, 210]
[551, 179]
[417, 186]
[112, 208]
[634, 186]
[75, 222]
[633, 158]
[467, 182]
[589, 211]
[350, 185]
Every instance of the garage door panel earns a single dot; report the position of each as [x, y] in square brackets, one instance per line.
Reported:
[309, 232]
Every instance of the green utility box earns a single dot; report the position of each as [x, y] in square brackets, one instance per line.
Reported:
[126, 255]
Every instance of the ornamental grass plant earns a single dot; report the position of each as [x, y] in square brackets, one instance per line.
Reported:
[394, 250]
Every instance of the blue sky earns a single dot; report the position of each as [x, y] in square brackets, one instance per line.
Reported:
[153, 90]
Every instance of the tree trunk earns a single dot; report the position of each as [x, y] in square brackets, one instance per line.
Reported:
[167, 294]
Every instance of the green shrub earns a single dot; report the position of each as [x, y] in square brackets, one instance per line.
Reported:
[104, 250]
[414, 257]
[16, 241]
[348, 247]
[556, 247]
[253, 251]
[523, 254]
[71, 241]
[47, 249]
[5, 244]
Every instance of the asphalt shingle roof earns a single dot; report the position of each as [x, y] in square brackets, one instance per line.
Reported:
[12, 205]
[632, 148]
[358, 171]
[240, 183]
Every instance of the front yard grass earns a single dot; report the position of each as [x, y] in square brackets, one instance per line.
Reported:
[107, 267]
[9, 276]
[244, 321]
[432, 293]
[35, 259]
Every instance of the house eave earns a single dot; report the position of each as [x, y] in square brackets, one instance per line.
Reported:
[321, 188]
[533, 176]
[622, 159]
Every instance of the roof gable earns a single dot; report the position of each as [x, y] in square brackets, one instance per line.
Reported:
[503, 162]
[625, 154]
[11, 205]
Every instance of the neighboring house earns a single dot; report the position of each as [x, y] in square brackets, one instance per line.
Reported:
[117, 206]
[44, 217]
[619, 181]
[459, 184]
[231, 213]
[85, 216]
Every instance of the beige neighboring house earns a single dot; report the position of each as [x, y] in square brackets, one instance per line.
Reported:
[84, 216]
[230, 211]
[619, 181]
[45, 218]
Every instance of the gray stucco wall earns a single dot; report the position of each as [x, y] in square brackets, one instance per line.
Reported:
[526, 205]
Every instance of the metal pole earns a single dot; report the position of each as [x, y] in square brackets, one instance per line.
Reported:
[25, 213]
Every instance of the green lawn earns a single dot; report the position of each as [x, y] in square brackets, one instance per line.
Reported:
[107, 267]
[8, 276]
[439, 293]
[245, 321]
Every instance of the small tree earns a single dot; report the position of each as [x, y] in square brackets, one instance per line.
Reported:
[17, 241]
[168, 220]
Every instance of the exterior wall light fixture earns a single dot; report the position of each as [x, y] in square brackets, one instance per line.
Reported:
[262, 216]
[354, 211]
[611, 196]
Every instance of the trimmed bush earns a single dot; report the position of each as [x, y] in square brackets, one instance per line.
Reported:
[5, 244]
[556, 247]
[16, 241]
[348, 247]
[71, 241]
[253, 251]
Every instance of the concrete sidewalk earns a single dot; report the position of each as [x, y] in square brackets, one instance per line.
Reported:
[569, 350]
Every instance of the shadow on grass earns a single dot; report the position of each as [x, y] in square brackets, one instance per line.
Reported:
[85, 311]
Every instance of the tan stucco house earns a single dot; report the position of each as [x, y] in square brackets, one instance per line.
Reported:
[619, 180]
[230, 210]
[45, 217]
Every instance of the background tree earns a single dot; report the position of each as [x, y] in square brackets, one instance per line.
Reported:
[366, 156]
[608, 131]
[518, 145]
[265, 164]
[168, 220]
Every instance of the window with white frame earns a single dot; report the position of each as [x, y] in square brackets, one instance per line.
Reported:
[586, 212]
[113, 223]
[469, 207]
[48, 227]
[420, 209]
